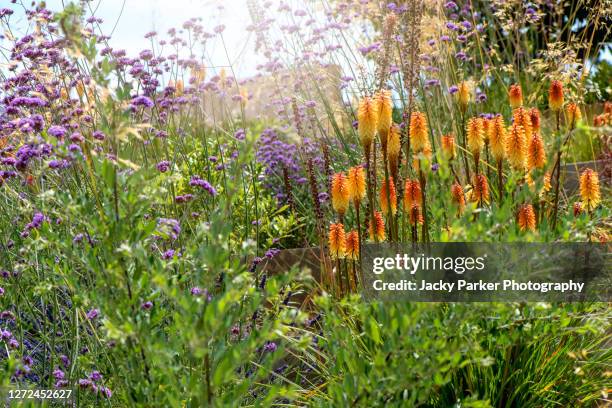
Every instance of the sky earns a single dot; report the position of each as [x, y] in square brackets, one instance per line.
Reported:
[134, 18]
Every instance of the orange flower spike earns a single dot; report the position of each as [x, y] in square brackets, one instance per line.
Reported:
[522, 118]
[515, 95]
[393, 149]
[384, 107]
[337, 241]
[367, 117]
[464, 95]
[480, 190]
[448, 147]
[555, 96]
[475, 135]
[515, 147]
[497, 138]
[384, 204]
[377, 228]
[526, 218]
[546, 186]
[418, 132]
[572, 114]
[589, 189]
[534, 115]
[487, 125]
[458, 197]
[356, 184]
[340, 193]
[352, 245]
[536, 157]
[412, 194]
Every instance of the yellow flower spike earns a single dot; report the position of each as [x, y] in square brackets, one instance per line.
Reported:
[384, 107]
[356, 184]
[497, 138]
[521, 117]
[448, 147]
[464, 95]
[340, 193]
[337, 241]
[393, 150]
[418, 132]
[515, 147]
[367, 117]
[515, 95]
[536, 157]
[555, 96]
[589, 189]
[475, 135]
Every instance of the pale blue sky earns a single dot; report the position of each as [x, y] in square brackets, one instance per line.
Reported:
[138, 17]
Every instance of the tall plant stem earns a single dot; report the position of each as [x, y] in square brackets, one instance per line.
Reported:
[464, 152]
[370, 189]
[388, 193]
[557, 173]
[500, 180]
[358, 225]
[425, 229]
[339, 278]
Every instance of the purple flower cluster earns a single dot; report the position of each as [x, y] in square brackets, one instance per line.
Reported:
[197, 181]
[168, 227]
[93, 383]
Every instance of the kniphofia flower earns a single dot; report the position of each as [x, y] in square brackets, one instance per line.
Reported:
[352, 245]
[515, 94]
[393, 150]
[497, 138]
[536, 157]
[384, 107]
[526, 218]
[515, 147]
[418, 132]
[412, 194]
[337, 241]
[523, 118]
[448, 147]
[340, 193]
[589, 189]
[572, 114]
[458, 197]
[534, 115]
[555, 96]
[480, 190]
[475, 135]
[356, 184]
[464, 94]
[384, 191]
[367, 116]
[377, 228]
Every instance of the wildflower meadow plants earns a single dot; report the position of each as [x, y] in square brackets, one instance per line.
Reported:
[140, 222]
